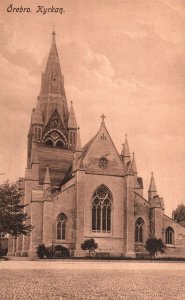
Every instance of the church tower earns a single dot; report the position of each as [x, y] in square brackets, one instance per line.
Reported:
[53, 128]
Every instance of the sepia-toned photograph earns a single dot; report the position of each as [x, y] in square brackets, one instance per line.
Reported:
[92, 155]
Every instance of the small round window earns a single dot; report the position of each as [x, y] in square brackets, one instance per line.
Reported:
[103, 163]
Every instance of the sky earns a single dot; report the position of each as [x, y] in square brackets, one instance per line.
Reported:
[125, 59]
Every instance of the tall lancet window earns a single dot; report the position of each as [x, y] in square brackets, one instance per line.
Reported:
[169, 236]
[101, 210]
[61, 226]
[139, 230]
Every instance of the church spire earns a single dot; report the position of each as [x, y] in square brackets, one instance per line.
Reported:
[52, 95]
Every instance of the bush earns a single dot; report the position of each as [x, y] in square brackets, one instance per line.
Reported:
[61, 251]
[41, 251]
[50, 251]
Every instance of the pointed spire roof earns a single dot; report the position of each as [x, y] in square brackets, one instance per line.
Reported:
[52, 79]
[72, 120]
[126, 148]
[78, 141]
[152, 187]
[53, 53]
[134, 164]
[47, 179]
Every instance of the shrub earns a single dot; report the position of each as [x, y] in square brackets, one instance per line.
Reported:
[50, 251]
[41, 251]
[61, 251]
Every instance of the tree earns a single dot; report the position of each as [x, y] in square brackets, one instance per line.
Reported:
[89, 245]
[154, 245]
[12, 216]
[179, 213]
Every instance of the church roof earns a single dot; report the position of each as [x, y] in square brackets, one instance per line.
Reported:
[58, 162]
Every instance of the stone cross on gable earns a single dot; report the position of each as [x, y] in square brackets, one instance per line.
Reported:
[103, 117]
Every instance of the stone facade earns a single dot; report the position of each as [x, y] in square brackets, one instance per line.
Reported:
[76, 193]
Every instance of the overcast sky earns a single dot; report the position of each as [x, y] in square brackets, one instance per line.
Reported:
[125, 59]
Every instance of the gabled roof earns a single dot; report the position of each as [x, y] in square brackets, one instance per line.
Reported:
[87, 147]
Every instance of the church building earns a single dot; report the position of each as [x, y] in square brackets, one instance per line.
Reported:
[76, 192]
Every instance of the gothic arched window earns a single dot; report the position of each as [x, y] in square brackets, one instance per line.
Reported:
[49, 142]
[101, 210]
[61, 226]
[169, 236]
[139, 230]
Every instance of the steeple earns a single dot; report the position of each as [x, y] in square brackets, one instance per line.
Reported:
[52, 95]
[152, 192]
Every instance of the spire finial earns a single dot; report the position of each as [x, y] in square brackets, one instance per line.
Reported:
[53, 32]
[103, 117]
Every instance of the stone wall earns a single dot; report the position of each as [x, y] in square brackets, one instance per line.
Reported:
[178, 248]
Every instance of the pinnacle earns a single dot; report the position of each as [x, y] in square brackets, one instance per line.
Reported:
[152, 187]
[72, 120]
[126, 148]
[134, 164]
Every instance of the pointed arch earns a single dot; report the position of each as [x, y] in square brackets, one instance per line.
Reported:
[139, 226]
[169, 236]
[61, 226]
[49, 142]
[101, 209]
